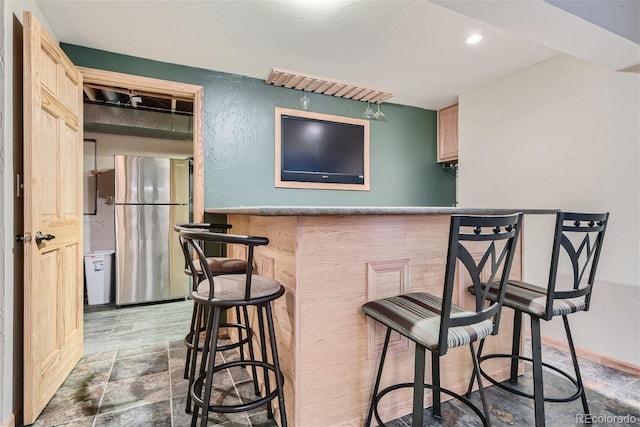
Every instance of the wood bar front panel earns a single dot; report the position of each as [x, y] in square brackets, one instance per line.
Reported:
[331, 266]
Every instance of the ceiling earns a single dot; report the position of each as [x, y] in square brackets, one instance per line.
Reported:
[414, 49]
[128, 98]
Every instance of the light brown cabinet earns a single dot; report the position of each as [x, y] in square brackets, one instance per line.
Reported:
[448, 134]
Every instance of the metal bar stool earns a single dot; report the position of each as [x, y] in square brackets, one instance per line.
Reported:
[580, 237]
[483, 245]
[218, 265]
[216, 294]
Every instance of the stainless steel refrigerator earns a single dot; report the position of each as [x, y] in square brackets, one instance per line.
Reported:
[151, 195]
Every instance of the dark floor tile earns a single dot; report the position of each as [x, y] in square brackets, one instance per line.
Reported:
[71, 405]
[181, 418]
[550, 354]
[628, 395]
[260, 419]
[177, 358]
[247, 393]
[178, 343]
[452, 416]
[241, 375]
[99, 356]
[179, 385]
[156, 414]
[88, 375]
[599, 377]
[504, 410]
[137, 366]
[142, 349]
[136, 391]
[147, 387]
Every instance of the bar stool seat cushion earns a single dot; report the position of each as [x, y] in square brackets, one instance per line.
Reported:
[222, 265]
[531, 299]
[232, 287]
[417, 316]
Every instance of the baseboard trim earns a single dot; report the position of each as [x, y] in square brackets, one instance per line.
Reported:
[11, 422]
[607, 361]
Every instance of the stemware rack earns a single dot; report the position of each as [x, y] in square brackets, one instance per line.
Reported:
[300, 81]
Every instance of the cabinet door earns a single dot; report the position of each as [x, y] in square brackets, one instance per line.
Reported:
[448, 134]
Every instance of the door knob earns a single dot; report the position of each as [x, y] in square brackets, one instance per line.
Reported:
[40, 237]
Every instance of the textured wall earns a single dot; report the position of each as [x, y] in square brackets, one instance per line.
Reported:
[239, 140]
[564, 134]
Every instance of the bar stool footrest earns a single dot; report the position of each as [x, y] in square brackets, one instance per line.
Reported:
[199, 382]
[571, 398]
[394, 387]
[248, 332]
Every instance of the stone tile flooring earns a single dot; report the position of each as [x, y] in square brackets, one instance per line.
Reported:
[131, 375]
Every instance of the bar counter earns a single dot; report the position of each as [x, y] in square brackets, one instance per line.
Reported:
[334, 259]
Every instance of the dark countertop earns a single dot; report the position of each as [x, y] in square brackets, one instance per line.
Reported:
[369, 210]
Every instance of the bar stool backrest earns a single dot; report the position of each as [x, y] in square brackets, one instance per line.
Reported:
[193, 241]
[579, 237]
[485, 246]
[218, 228]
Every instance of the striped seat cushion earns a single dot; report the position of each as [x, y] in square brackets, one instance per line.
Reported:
[231, 287]
[417, 316]
[531, 299]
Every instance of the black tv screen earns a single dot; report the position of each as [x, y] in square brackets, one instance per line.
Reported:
[315, 150]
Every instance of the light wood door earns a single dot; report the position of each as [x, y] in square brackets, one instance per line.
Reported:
[53, 286]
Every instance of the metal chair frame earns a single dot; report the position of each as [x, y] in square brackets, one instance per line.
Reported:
[463, 229]
[200, 387]
[244, 331]
[583, 257]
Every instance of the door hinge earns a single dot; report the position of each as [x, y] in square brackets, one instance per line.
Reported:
[26, 237]
[19, 185]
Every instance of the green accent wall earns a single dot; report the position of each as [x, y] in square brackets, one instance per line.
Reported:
[239, 140]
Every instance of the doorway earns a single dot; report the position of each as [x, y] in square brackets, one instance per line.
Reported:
[145, 86]
[138, 116]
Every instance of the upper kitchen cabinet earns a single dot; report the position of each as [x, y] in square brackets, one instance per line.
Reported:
[448, 134]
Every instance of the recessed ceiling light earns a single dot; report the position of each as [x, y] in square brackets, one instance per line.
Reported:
[474, 38]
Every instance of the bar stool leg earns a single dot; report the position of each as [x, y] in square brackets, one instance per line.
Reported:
[192, 329]
[276, 364]
[418, 386]
[515, 346]
[574, 358]
[378, 377]
[213, 344]
[263, 347]
[435, 372]
[476, 370]
[473, 373]
[195, 338]
[538, 384]
[254, 372]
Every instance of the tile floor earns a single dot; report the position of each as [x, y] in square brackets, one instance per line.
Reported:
[131, 375]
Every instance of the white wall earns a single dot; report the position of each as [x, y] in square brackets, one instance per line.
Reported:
[564, 134]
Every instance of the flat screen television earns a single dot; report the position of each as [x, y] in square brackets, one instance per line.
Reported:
[321, 151]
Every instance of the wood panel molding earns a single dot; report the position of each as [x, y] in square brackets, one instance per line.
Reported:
[385, 279]
[265, 265]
